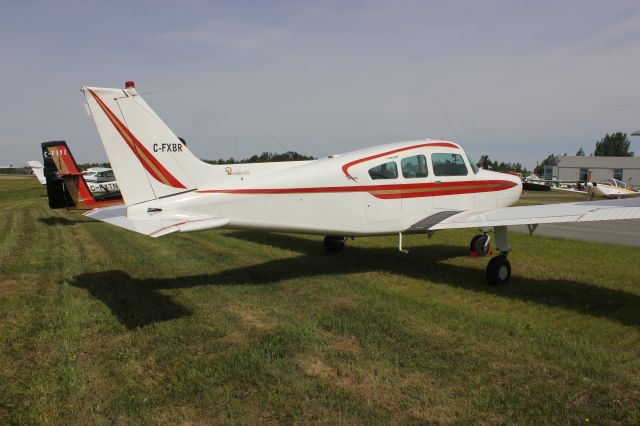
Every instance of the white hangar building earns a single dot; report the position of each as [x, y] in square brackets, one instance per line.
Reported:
[574, 168]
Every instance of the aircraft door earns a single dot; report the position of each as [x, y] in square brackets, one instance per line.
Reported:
[383, 205]
[416, 197]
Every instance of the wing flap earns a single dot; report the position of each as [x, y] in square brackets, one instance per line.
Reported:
[157, 225]
[549, 213]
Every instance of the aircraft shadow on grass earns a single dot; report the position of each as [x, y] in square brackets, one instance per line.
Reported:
[139, 302]
[58, 220]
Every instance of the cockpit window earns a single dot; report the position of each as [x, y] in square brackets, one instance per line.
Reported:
[448, 165]
[384, 171]
[414, 167]
[473, 165]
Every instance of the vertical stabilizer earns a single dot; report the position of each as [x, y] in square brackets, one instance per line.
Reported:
[150, 161]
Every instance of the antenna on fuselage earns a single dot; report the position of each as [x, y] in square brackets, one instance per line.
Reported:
[278, 142]
[458, 139]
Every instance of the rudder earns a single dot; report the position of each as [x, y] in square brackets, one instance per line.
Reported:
[150, 161]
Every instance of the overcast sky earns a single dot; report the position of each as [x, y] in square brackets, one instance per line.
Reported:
[518, 80]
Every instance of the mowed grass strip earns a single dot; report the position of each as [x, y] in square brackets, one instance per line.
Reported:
[100, 325]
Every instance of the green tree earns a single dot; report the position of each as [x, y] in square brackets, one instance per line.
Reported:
[85, 166]
[580, 152]
[502, 166]
[551, 160]
[614, 145]
[265, 157]
[484, 162]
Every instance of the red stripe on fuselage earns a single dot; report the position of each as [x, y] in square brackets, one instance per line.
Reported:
[395, 191]
[158, 171]
[346, 167]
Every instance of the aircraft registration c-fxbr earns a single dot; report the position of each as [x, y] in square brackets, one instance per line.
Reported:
[407, 187]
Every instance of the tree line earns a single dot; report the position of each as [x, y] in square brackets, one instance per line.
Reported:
[502, 166]
[265, 157]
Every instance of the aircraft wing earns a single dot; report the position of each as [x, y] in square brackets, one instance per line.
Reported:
[569, 190]
[156, 224]
[531, 215]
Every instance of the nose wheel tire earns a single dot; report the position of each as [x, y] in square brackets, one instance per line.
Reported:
[333, 244]
[499, 270]
[478, 246]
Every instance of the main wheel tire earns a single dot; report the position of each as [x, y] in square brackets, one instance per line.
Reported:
[479, 245]
[499, 270]
[333, 244]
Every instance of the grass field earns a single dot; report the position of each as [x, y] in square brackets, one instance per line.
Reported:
[100, 325]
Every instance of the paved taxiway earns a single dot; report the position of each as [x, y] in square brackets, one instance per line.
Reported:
[625, 232]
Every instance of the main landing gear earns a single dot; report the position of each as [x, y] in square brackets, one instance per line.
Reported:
[499, 268]
[333, 244]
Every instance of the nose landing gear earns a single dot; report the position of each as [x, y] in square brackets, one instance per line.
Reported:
[479, 245]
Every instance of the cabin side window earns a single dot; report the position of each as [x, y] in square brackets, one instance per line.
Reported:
[448, 165]
[105, 174]
[583, 174]
[617, 174]
[414, 167]
[384, 171]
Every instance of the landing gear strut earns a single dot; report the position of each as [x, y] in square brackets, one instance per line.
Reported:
[499, 268]
[333, 244]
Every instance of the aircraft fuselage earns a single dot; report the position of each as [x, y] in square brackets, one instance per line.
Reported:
[375, 191]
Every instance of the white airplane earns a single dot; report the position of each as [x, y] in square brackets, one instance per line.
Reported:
[101, 180]
[38, 171]
[406, 187]
[611, 188]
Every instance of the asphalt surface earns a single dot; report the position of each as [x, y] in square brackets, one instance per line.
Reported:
[624, 232]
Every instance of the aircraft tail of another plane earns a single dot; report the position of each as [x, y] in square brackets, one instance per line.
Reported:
[66, 186]
[38, 171]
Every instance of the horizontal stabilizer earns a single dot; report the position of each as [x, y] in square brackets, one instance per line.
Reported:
[589, 211]
[157, 224]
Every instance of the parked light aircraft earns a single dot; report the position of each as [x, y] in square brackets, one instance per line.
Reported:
[611, 188]
[66, 185]
[406, 187]
[606, 188]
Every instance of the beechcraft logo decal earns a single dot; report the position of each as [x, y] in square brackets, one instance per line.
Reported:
[231, 172]
[148, 161]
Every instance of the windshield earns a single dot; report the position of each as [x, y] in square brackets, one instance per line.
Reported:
[619, 183]
[472, 164]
